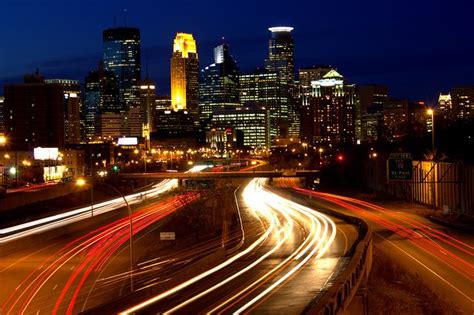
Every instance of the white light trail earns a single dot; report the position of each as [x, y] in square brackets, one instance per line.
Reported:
[283, 216]
[52, 222]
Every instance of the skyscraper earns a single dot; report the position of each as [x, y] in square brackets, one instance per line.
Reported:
[101, 96]
[184, 73]
[34, 113]
[2, 101]
[281, 61]
[306, 76]
[369, 103]
[332, 110]
[463, 101]
[264, 88]
[72, 105]
[219, 83]
[122, 57]
[445, 106]
[251, 120]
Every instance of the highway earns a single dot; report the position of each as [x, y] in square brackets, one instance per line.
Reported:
[19, 231]
[59, 277]
[444, 259]
[290, 254]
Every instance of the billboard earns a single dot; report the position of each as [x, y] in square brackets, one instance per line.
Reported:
[46, 153]
[127, 141]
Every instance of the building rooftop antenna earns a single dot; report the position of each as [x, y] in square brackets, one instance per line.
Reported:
[125, 17]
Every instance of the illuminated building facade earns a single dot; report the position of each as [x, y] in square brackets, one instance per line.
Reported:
[147, 106]
[72, 107]
[2, 101]
[184, 73]
[101, 96]
[122, 57]
[34, 113]
[251, 120]
[463, 102]
[306, 76]
[445, 102]
[395, 119]
[265, 88]
[332, 110]
[281, 60]
[370, 101]
[219, 83]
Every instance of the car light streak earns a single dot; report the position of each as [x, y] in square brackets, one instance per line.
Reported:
[281, 218]
[55, 221]
[97, 246]
[429, 241]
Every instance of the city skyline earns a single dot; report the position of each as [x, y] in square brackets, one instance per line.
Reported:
[365, 55]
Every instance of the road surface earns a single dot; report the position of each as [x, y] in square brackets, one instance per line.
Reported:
[290, 255]
[443, 258]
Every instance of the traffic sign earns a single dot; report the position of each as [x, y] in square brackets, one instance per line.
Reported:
[399, 167]
[167, 236]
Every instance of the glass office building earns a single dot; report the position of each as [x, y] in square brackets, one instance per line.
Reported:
[122, 57]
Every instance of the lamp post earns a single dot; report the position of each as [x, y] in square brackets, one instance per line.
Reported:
[431, 113]
[81, 182]
[320, 153]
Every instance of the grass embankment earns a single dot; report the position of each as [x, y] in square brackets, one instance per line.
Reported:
[394, 290]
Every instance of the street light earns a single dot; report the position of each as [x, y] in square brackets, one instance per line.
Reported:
[12, 170]
[431, 113]
[3, 140]
[81, 182]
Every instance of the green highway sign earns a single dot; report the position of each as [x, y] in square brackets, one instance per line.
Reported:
[399, 167]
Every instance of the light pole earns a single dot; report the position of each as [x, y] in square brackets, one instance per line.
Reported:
[81, 182]
[431, 113]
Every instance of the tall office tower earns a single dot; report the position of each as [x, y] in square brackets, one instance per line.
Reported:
[251, 120]
[72, 106]
[306, 76]
[370, 98]
[184, 73]
[101, 96]
[395, 119]
[314, 73]
[264, 88]
[219, 83]
[147, 106]
[445, 106]
[463, 101]
[282, 61]
[2, 124]
[34, 113]
[332, 107]
[122, 57]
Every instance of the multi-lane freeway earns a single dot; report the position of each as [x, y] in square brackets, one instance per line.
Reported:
[289, 255]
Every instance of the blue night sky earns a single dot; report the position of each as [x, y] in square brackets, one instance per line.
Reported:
[418, 48]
